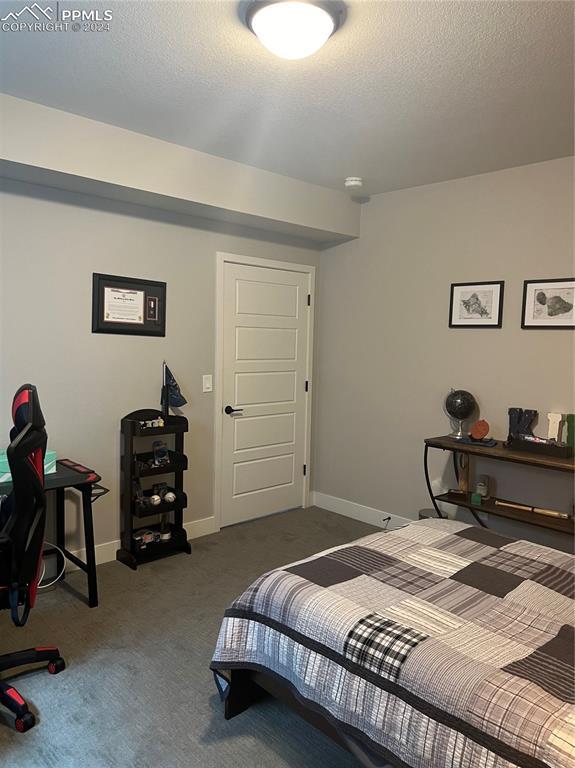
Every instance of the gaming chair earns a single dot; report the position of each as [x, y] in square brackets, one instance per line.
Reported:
[22, 518]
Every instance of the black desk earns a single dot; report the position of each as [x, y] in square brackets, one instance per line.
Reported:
[70, 474]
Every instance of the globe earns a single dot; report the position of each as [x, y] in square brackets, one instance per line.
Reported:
[460, 404]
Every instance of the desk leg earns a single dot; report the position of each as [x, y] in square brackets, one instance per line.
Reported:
[61, 529]
[89, 544]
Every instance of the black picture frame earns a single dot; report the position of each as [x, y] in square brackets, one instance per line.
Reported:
[545, 324]
[150, 294]
[478, 322]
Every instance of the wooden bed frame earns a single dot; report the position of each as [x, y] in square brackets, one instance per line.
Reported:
[248, 686]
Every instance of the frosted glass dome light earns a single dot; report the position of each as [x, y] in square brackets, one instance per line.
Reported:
[291, 29]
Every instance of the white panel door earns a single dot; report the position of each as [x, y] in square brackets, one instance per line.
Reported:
[266, 331]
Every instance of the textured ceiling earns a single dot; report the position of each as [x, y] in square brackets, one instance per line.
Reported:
[405, 93]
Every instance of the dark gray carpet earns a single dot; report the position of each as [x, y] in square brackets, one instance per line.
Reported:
[137, 691]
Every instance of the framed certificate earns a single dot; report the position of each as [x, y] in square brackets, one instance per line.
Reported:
[128, 305]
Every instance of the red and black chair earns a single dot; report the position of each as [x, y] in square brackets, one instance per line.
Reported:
[22, 519]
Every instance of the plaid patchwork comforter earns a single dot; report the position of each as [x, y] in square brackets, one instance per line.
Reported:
[438, 645]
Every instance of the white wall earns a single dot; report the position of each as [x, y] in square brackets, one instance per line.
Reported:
[51, 243]
[386, 357]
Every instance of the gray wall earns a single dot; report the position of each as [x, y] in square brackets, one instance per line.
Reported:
[386, 357]
[87, 382]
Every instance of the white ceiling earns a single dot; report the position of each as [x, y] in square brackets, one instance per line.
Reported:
[405, 93]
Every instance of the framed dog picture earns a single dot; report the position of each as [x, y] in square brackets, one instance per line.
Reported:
[476, 305]
[549, 303]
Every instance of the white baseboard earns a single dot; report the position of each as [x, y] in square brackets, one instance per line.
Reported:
[106, 552]
[357, 511]
[204, 527]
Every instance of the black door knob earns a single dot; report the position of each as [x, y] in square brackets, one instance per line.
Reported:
[229, 410]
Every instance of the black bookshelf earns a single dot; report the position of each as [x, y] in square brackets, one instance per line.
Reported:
[134, 466]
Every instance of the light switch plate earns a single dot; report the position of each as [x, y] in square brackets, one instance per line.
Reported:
[207, 383]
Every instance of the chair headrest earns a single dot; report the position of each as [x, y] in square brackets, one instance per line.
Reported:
[26, 408]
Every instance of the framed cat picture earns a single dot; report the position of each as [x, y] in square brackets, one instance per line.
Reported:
[476, 305]
[549, 304]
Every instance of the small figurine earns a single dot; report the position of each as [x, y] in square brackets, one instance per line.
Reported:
[482, 486]
[555, 430]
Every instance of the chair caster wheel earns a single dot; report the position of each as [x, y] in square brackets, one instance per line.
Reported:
[59, 665]
[25, 722]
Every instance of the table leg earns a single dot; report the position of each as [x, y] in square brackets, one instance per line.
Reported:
[463, 475]
[428, 481]
[461, 462]
[89, 545]
[61, 530]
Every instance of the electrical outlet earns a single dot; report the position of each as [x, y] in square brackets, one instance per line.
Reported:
[207, 383]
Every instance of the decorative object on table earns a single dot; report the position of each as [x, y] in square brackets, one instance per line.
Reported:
[478, 434]
[487, 442]
[555, 431]
[482, 486]
[144, 536]
[128, 305]
[152, 423]
[549, 304]
[521, 437]
[171, 396]
[520, 421]
[164, 493]
[161, 453]
[476, 305]
[159, 494]
[143, 502]
[165, 531]
[570, 421]
[459, 405]
[479, 430]
[537, 510]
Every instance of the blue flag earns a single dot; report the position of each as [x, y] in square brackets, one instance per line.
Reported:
[175, 397]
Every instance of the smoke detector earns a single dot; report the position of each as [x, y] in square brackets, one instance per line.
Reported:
[353, 183]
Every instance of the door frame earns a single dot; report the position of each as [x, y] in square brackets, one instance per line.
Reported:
[223, 258]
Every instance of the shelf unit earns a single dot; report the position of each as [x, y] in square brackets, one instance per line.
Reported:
[132, 515]
[498, 452]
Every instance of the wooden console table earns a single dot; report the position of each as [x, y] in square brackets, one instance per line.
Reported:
[461, 456]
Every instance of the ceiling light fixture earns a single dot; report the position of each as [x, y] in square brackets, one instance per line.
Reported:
[293, 29]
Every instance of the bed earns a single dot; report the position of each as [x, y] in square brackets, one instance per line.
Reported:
[436, 645]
